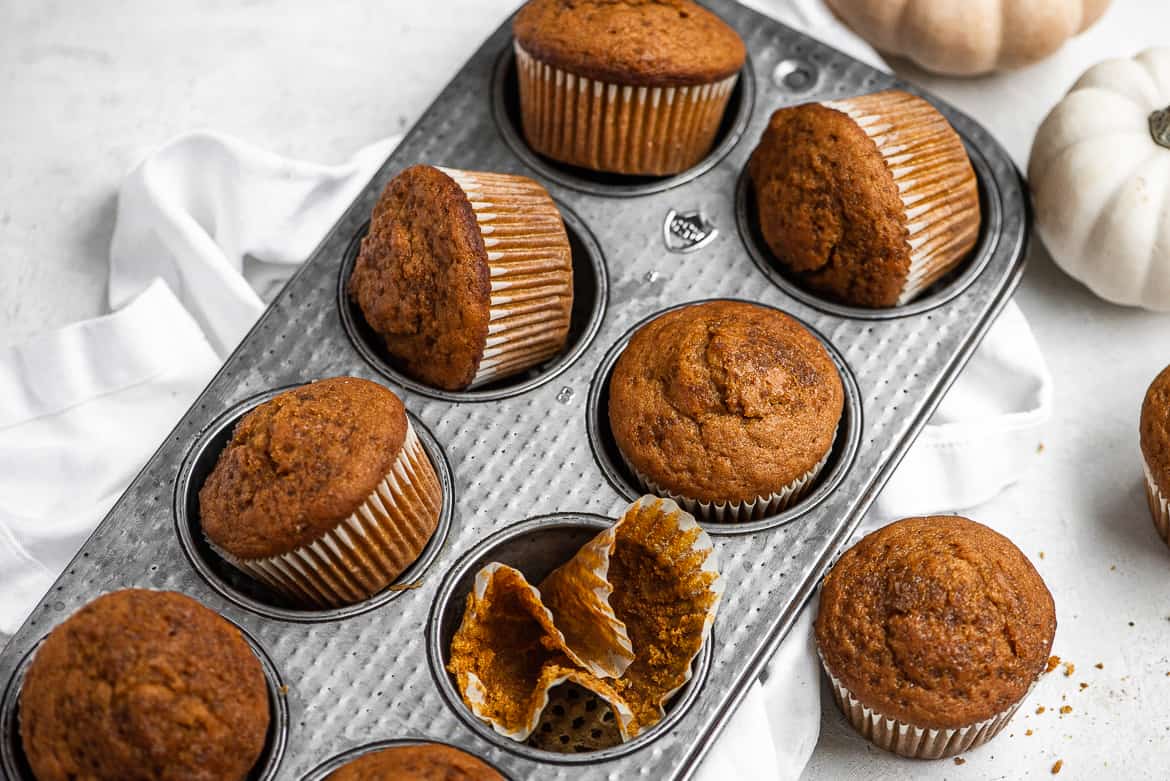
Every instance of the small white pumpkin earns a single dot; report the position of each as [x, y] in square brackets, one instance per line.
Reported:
[968, 37]
[1100, 178]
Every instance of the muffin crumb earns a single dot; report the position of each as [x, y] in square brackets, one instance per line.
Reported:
[960, 761]
[1028, 732]
[1056, 767]
[1069, 669]
[1053, 663]
[1040, 709]
[1065, 710]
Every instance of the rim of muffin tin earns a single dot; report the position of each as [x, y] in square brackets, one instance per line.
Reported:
[841, 456]
[466, 567]
[198, 551]
[336, 762]
[360, 334]
[731, 131]
[942, 291]
[15, 765]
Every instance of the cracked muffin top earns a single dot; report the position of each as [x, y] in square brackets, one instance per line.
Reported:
[299, 464]
[650, 43]
[425, 762]
[724, 401]
[939, 622]
[144, 685]
[1155, 430]
[422, 280]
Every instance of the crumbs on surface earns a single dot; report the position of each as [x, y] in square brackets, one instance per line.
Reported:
[1028, 733]
[1099, 666]
[283, 688]
[1040, 709]
[406, 586]
[1056, 768]
[1053, 663]
[1065, 710]
[960, 761]
[1069, 669]
[1041, 554]
[1085, 685]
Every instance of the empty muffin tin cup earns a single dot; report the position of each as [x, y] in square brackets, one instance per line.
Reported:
[14, 765]
[322, 771]
[253, 595]
[823, 482]
[535, 547]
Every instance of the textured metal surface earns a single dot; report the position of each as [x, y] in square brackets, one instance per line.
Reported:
[366, 678]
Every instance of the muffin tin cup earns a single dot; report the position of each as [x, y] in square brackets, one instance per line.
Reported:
[365, 552]
[322, 771]
[14, 765]
[907, 740]
[1159, 506]
[536, 547]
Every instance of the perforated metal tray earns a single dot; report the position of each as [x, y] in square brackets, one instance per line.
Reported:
[538, 447]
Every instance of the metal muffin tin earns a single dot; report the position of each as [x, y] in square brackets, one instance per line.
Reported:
[534, 449]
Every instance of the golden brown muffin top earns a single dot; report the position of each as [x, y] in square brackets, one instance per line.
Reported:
[424, 762]
[1155, 430]
[421, 278]
[298, 465]
[938, 622]
[828, 206]
[724, 401]
[652, 43]
[144, 685]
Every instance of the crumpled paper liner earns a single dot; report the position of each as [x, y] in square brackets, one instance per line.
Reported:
[1159, 506]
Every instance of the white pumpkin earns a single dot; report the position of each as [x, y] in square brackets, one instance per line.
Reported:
[1100, 178]
[968, 37]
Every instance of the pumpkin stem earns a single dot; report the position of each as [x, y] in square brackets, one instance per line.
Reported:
[1160, 127]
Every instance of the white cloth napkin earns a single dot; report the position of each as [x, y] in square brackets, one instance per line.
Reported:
[208, 228]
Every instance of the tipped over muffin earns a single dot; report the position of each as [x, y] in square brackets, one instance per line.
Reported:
[630, 87]
[144, 685]
[419, 762]
[467, 277]
[1155, 444]
[727, 407]
[932, 631]
[868, 200]
[324, 493]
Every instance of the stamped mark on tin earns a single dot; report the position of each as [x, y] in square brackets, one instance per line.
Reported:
[687, 231]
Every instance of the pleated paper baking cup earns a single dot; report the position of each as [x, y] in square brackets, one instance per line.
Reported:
[531, 271]
[1159, 507]
[651, 131]
[914, 742]
[365, 552]
[739, 512]
[934, 178]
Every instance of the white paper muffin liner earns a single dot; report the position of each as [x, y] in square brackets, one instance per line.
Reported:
[531, 270]
[739, 512]
[653, 131]
[365, 552]
[1159, 506]
[934, 178]
[914, 742]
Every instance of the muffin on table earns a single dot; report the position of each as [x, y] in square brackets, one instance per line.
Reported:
[324, 493]
[729, 408]
[868, 200]
[1155, 442]
[467, 277]
[630, 87]
[421, 762]
[932, 631]
[145, 685]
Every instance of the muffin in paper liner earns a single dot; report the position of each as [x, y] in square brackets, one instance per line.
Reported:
[507, 655]
[914, 742]
[740, 512]
[369, 549]
[1159, 506]
[934, 178]
[637, 130]
[530, 269]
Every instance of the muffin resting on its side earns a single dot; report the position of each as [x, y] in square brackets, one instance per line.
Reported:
[325, 493]
[1155, 442]
[422, 762]
[144, 685]
[932, 631]
[629, 87]
[728, 408]
[467, 277]
[866, 200]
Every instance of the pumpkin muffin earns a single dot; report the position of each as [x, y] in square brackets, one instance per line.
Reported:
[144, 685]
[324, 493]
[932, 631]
[624, 86]
[421, 762]
[1155, 441]
[867, 200]
[467, 277]
[729, 408]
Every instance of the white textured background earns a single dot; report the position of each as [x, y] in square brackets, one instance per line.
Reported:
[86, 88]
